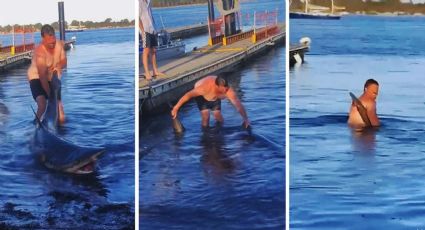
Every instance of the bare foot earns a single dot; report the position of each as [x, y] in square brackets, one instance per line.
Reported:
[159, 74]
[148, 76]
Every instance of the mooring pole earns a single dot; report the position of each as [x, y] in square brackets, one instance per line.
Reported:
[61, 21]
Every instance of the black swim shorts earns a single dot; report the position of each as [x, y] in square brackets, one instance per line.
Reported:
[149, 40]
[37, 90]
[204, 104]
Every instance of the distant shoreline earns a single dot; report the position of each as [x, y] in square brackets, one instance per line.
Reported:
[97, 28]
[179, 6]
[385, 14]
[374, 13]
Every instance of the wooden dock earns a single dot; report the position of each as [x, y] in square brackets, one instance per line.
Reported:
[182, 73]
[296, 53]
[188, 31]
[8, 61]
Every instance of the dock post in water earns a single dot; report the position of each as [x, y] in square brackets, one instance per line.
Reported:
[211, 18]
[61, 20]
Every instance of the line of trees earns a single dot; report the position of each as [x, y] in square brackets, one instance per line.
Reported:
[88, 24]
[367, 6]
[166, 3]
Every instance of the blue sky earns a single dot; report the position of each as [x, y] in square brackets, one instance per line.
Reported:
[46, 11]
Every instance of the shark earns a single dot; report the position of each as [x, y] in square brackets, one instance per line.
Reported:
[55, 152]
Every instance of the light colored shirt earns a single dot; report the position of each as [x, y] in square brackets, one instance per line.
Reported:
[145, 12]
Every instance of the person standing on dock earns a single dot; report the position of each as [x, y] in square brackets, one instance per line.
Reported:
[149, 40]
[48, 59]
[208, 93]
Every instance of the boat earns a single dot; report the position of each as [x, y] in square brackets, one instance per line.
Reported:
[167, 48]
[316, 12]
[78, 28]
[74, 30]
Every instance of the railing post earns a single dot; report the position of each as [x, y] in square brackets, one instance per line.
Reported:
[210, 42]
[254, 36]
[12, 49]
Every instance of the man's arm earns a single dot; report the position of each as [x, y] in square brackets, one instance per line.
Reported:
[193, 93]
[231, 95]
[63, 60]
[142, 30]
[42, 71]
[371, 113]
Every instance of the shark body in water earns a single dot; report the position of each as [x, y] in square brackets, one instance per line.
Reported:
[55, 152]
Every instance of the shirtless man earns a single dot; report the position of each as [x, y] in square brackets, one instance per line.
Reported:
[48, 59]
[208, 93]
[368, 99]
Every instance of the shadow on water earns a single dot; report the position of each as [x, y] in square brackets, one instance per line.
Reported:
[215, 159]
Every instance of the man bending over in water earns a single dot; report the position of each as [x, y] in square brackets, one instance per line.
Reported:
[368, 99]
[208, 93]
[48, 59]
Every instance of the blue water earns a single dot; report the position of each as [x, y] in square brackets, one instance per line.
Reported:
[340, 179]
[98, 97]
[224, 178]
[190, 15]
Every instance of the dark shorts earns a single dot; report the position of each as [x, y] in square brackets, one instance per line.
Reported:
[37, 90]
[204, 104]
[149, 40]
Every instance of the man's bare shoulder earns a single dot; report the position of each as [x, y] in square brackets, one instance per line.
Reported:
[61, 43]
[39, 51]
[201, 88]
[368, 103]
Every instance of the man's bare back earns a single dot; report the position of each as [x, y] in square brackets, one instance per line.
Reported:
[208, 93]
[207, 88]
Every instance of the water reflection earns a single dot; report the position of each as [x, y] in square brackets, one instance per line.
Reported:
[216, 161]
[364, 141]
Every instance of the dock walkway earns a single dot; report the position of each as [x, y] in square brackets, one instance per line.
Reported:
[182, 73]
[188, 31]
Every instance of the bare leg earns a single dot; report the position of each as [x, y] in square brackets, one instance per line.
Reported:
[218, 117]
[146, 52]
[61, 114]
[154, 64]
[205, 115]
[41, 106]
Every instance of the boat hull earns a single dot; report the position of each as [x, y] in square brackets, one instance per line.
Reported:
[295, 15]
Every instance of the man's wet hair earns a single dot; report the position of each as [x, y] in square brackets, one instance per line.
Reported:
[47, 29]
[370, 82]
[221, 81]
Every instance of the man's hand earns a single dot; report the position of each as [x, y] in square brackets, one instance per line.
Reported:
[174, 112]
[56, 69]
[246, 124]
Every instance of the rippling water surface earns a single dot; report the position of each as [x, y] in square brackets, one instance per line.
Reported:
[98, 96]
[224, 178]
[342, 179]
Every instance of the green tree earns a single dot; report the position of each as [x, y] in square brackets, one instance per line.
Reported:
[75, 23]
